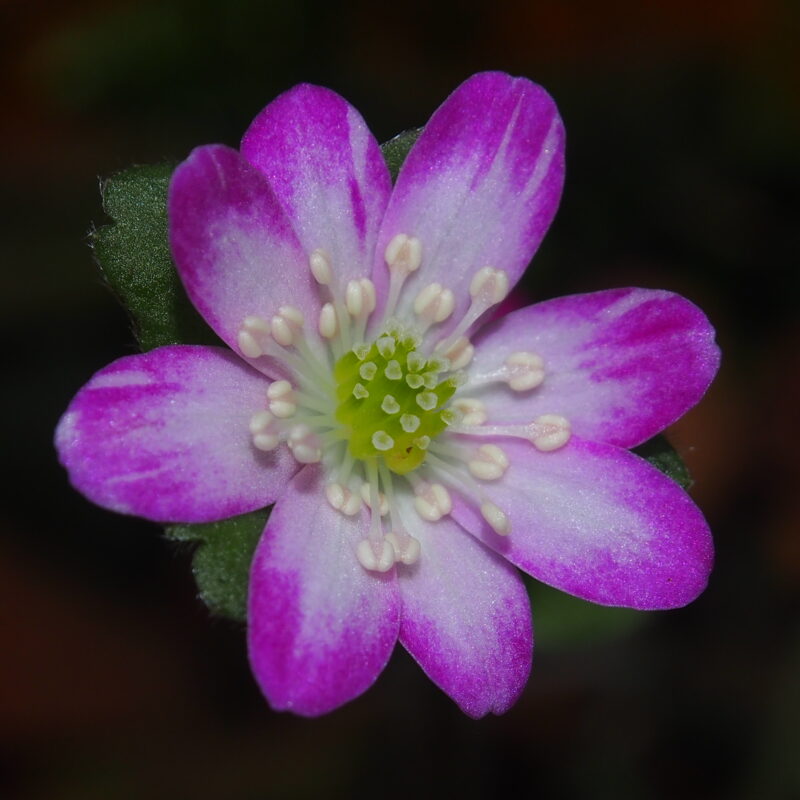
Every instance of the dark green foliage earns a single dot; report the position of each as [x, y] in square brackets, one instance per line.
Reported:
[663, 456]
[221, 562]
[396, 149]
[133, 255]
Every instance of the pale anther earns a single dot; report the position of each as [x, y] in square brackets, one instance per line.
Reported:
[328, 323]
[390, 405]
[369, 295]
[393, 370]
[496, 518]
[403, 253]
[368, 370]
[459, 353]
[427, 401]
[406, 548]
[342, 499]
[286, 325]
[251, 336]
[380, 561]
[409, 422]
[550, 432]
[382, 441]
[265, 433]
[432, 501]
[354, 298]
[434, 303]
[525, 371]
[321, 267]
[282, 399]
[489, 286]
[304, 444]
[489, 463]
[473, 411]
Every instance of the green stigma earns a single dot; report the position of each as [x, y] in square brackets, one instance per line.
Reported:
[391, 400]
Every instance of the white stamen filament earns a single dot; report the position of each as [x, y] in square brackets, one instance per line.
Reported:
[547, 432]
[488, 287]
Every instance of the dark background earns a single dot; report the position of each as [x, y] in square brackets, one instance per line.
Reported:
[683, 167]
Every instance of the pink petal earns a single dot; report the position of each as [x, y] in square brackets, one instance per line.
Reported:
[233, 244]
[321, 628]
[621, 365]
[165, 436]
[466, 619]
[327, 170]
[598, 522]
[480, 186]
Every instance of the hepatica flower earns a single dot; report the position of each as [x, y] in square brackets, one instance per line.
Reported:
[415, 455]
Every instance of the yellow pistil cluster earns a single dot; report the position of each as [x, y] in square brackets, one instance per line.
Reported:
[392, 400]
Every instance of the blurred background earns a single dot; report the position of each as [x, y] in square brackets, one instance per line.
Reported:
[683, 173]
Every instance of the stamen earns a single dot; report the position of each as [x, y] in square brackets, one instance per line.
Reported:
[304, 444]
[252, 335]
[328, 323]
[525, 371]
[432, 501]
[286, 325]
[488, 287]
[342, 499]
[459, 353]
[434, 304]
[282, 399]
[366, 496]
[489, 463]
[496, 518]
[360, 298]
[547, 432]
[406, 547]
[403, 254]
[320, 264]
[473, 411]
[375, 556]
[265, 432]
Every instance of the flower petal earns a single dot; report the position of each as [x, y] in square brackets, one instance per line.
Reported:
[479, 187]
[598, 522]
[233, 244]
[320, 627]
[621, 365]
[466, 619]
[165, 436]
[327, 170]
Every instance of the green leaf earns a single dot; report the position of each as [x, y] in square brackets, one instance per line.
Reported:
[663, 456]
[134, 257]
[221, 562]
[396, 149]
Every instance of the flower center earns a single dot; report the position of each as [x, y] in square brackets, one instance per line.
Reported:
[392, 399]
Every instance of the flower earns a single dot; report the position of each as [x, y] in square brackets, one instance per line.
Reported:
[413, 455]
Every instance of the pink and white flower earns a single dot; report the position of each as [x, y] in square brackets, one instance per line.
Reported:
[413, 454]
